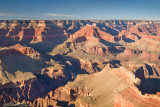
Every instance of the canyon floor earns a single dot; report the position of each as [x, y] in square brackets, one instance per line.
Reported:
[79, 63]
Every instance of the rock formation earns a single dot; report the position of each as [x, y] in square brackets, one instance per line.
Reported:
[91, 33]
[82, 63]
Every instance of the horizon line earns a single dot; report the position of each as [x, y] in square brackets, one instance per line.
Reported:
[84, 19]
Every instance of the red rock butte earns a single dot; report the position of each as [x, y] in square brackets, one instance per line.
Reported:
[91, 33]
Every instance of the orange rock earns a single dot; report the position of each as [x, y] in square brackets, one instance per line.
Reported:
[91, 33]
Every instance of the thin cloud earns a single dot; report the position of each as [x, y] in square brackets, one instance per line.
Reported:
[61, 15]
[4, 14]
[13, 15]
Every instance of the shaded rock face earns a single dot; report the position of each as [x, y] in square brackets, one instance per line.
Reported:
[28, 90]
[148, 74]
[82, 63]
[28, 31]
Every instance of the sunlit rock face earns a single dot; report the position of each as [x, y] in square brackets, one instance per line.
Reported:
[91, 33]
[82, 63]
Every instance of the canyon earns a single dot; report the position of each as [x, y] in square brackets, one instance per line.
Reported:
[80, 63]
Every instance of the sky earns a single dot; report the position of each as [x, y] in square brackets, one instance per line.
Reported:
[80, 9]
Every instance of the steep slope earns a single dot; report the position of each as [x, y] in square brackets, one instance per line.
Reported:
[110, 87]
[142, 31]
[141, 51]
[91, 33]
[31, 31]
[18, 61]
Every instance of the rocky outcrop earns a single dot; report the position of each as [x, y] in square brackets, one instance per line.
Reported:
[103, 51]
[79, 94]
[19, 50]
[28, 31]
[132, 97]
[96, 50]
[135, 56]
[142, 31]
[91, 33]
[31, 91]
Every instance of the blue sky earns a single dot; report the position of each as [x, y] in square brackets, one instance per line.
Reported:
[80, 9]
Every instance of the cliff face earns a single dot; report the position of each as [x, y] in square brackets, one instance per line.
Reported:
[30, 31]
[39, 30]
[91, 33]
[82, 63]
[142, 31]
